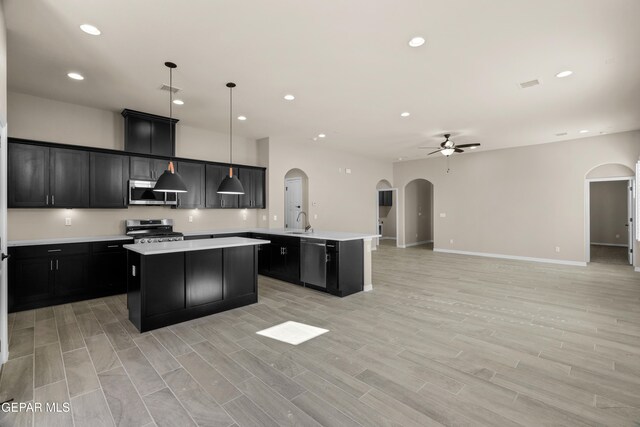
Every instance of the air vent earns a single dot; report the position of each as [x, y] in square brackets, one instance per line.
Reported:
[561, 134]
[167, 87]
[530, 83]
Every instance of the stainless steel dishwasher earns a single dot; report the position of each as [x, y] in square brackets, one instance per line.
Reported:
[313, 262]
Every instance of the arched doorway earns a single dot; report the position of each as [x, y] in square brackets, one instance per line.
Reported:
[609, 214]
[296, 199]
[418, 213]
[387, 213]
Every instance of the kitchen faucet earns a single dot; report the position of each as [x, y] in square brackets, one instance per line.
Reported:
[306, 220]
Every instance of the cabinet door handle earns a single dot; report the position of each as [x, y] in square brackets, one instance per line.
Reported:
[327, 258]
[113, 246]
[133, 270]
[47, 202]
[51, 265]
[53, 199]
[54, 250]
[57, 265]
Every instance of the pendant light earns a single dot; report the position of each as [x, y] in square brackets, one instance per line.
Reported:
[231, 184]
[170, 181]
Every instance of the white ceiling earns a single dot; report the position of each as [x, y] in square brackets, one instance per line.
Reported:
[348, 64]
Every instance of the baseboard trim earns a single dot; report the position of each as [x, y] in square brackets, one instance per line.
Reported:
[423, 242]
[513, 257]
[387, 238]
[611, 244]
[367, 288]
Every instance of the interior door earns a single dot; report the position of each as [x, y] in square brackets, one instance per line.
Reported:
[293, 203]
[4, 333]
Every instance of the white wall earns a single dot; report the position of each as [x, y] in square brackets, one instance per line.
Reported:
[43, 119]
[342, 202]
[521, 201]
[608, 200]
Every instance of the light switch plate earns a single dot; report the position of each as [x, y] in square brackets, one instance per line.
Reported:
[347, 170]
[275, 217]
[443, 215]
[190, 218]
[67, 221]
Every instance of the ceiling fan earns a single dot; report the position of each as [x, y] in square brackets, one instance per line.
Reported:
[448, 147]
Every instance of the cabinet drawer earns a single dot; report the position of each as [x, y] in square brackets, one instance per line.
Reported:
[50, 250]
[110, 246]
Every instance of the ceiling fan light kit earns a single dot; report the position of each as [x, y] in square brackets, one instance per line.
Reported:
[448, 147]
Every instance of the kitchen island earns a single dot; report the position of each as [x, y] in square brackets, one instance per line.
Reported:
[171, 282]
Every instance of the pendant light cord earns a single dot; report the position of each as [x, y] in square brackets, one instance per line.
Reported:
[171, 105]
[230, 129]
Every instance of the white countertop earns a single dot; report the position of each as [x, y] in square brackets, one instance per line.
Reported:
[192, 245]
[340, 236]
[65, 240]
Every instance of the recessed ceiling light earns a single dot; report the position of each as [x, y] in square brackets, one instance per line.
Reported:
[289, 97]
[416, 41]
[75, 76]
[315, 138]
[178, 101]
[242, 118]
[399, 158]
[321, 135]
[90, 29]
[584, 131]
[405, 114]
[565, 73]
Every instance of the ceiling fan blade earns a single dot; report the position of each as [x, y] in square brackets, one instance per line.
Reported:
[428, 147]
[434, 152]
[468, 145]
[457, 150]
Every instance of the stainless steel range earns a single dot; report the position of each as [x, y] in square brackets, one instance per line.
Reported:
[152, 230]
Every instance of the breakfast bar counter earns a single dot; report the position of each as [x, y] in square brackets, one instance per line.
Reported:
[171, 282]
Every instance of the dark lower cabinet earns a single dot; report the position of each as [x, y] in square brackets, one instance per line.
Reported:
[345, 267]
[203, 272]
[283, 258]
[108, 178]
[45, 275]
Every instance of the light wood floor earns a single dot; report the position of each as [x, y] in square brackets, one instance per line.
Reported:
[442, 340]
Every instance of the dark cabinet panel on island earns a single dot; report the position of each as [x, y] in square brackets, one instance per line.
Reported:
[165, 276]
[240, 271]
[215, 175]
[193, 176]
[203, 272]
[109, 174]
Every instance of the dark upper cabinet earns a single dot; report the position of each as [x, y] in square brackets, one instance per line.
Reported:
[148, 134]
[146, 168]
[193, 175]
[253, 182]
[215, 175]
[69, 178]
[385, 198]
[28, 177]
[109, 174]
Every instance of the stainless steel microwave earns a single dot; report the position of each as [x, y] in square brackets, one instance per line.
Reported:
[141, 193]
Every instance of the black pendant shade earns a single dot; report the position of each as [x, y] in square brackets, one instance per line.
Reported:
[170, 181]
[231, 184]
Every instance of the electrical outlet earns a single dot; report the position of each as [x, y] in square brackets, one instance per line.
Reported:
[557, 248]
[190, 218]
[67, 221]
[315, 216]
[451, 241]
[264, 217]
[443, 215]
[314, 203]
[275, 217]
[348, 170]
